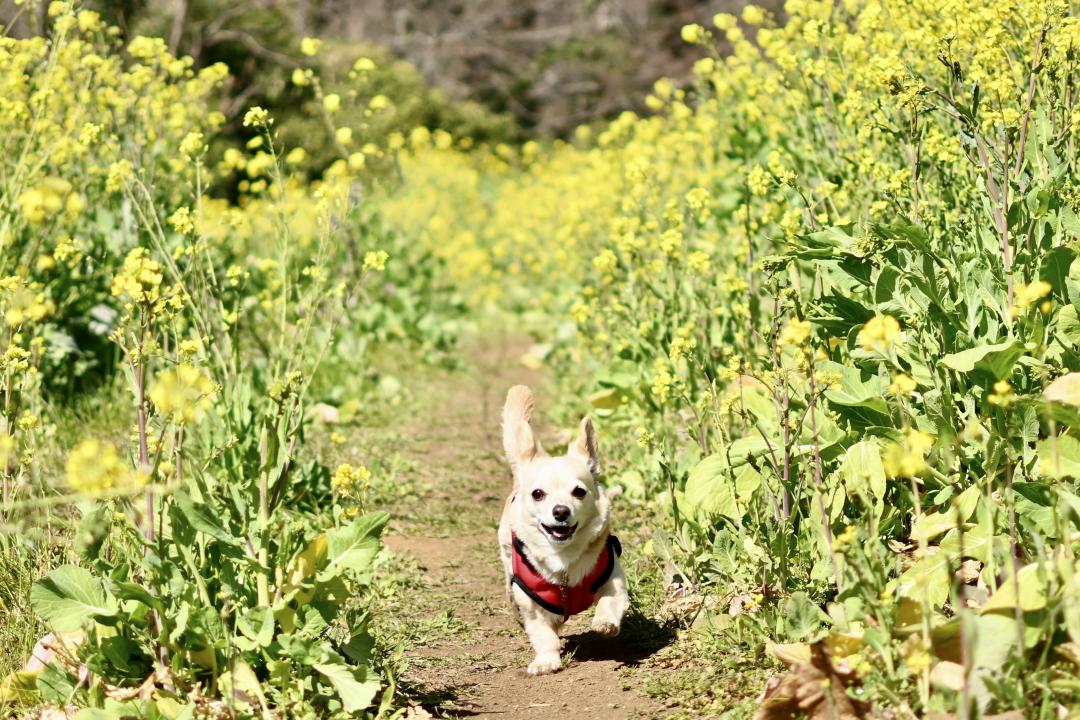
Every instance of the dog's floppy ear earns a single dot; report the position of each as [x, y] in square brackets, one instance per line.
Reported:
[518, 439]
[585, 445]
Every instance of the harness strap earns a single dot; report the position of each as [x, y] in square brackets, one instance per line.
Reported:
[614, 548]
[555, 609]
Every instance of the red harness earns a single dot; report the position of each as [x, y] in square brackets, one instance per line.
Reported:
[559, 599]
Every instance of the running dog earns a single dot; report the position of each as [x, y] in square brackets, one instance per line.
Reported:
[558, 552]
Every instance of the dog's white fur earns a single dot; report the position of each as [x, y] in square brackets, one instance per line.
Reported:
[565, 562]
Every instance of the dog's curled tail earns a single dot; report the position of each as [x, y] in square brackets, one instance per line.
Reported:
[518, 440]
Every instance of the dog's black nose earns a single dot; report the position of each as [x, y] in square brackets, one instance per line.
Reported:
[560, 513]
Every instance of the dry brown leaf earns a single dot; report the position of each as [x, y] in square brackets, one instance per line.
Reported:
[816, 690]
[968, 571]
[55, 647]
[948, 676]
[144, 691]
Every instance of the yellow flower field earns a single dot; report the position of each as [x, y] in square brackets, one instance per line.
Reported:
[823, 300]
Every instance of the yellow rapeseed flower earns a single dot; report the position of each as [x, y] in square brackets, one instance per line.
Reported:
[693, 34]
[139, 279]
[95, 468]
[1002, 395]
[346, 477]
[1028, 294]
[902, 384]
[256, 116]
[182, 222]
[376, 260]
[183, 394]
[908, 459]
[796, 332]
[310, 46]
[879, 333]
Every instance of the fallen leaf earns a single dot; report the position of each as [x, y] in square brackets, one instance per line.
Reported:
[968, 571]
[948, 676]
[58, 647]
[327, 414]
[816, 690]
[1066, 389]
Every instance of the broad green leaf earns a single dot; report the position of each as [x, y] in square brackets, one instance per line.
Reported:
[606, 399]
[132, 591]
[632, 482]
[1059, 457]
[1031, 594]
[201, 518]
[930, 525]
[862, 470]
[1068, 323]
[709, 489]
[621, 375]
[930, 578]
[55, 684]
[353, 685]
[804, 620]
[70, 596]
[244, 684]
[997, 360]
[1055, 266]
[747, 482]
[353, 547]
[257, 624]
[854, 389]
[905, 234]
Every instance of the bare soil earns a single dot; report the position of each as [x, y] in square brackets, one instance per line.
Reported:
[476, 668]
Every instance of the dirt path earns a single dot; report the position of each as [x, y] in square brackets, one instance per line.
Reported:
[475, 666]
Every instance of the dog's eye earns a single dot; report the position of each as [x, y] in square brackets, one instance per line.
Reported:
[579, 492]
[538, 494]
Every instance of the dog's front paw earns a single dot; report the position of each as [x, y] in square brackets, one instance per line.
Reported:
[605, 628]
[545, 664]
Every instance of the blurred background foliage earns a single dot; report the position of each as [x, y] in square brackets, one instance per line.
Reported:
[489, 71]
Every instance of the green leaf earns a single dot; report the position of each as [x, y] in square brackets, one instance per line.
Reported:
[353, 547]
[1054, 268]
[1031, 594]
[710, 489]
[997, 360]
[903, 233]
[857, 391]
[123, 590]
[804, 619]
[353, 686]
[55, 684]
[1068, 324]
[201, 518]
[69, 597]
[621, 375]
[930, 578]
[1058, 457]
[933, 524]
[257, 625]
[606, 399]
[862, 470]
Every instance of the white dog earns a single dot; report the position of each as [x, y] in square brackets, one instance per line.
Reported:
[557, 548]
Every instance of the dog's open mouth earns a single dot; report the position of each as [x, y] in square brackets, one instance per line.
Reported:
[559, 533]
